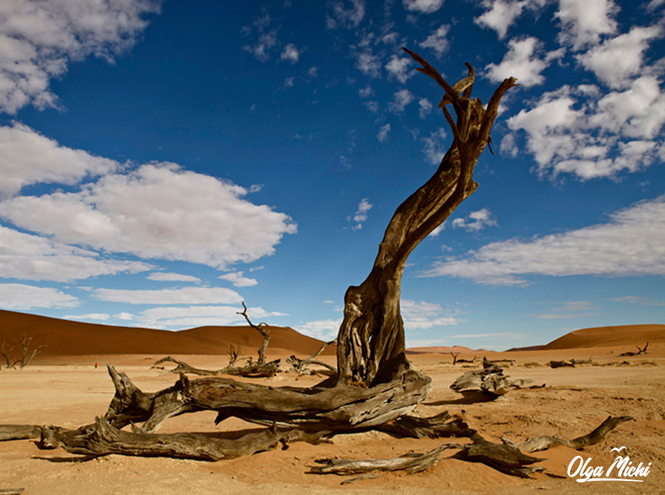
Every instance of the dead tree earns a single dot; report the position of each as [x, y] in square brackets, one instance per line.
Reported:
[26, 355]
[301, 365]
[375, 383]
[6, 354]
[370, 344]
[25, 347]
[454, 355]
[259, 369]
[263, 330]
[639, 352]
[375, 388]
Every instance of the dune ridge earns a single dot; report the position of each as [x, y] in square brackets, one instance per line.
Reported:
[71, 338]
[609, 336]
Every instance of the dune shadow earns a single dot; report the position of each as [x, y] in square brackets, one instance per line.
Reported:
[468, 397]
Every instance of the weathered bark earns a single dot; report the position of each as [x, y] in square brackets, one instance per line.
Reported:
[411, 463]
[19, 432]
[250, 370]
[371, 346]
[508, 457]
[341, 408]
[101, 438]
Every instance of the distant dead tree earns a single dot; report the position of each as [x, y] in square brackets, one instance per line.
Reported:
[375, 386]
[639, 352]
[26, 355]
[6, 354]
[258, 369]
[454, 355]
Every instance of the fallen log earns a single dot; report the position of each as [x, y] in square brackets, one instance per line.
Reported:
[562, 364]
[101, 438]
[342, 407]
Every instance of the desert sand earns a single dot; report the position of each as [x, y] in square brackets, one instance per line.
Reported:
[65, 389]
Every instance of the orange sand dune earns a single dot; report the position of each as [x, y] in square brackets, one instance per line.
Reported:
[610, 337]
[70, 338]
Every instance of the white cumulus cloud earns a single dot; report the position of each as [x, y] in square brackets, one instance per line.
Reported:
[28, 157]
[156, 211]
[618, 59]
[437, 41]
[521, 62]
[39, 39]
[583, 23]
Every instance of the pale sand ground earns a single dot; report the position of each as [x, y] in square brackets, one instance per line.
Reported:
[67, 391]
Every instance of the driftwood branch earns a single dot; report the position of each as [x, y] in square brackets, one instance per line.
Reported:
[301, 365]
[251, 370]
[411, 463]
[489, 379]
[596, 436]
[508, 458]
[101, 438]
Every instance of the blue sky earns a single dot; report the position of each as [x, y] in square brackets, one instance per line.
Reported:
[161, 162]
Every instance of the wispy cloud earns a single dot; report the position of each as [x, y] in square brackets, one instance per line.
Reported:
[237, 279]
[632, 243]
[21, 296]
[382, 135]
[361, 214]
[423, 6]
[172, 277]
[290, 54]
[325, 330]
[186, 295]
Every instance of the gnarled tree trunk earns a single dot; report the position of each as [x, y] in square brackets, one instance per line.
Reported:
[370, 346]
